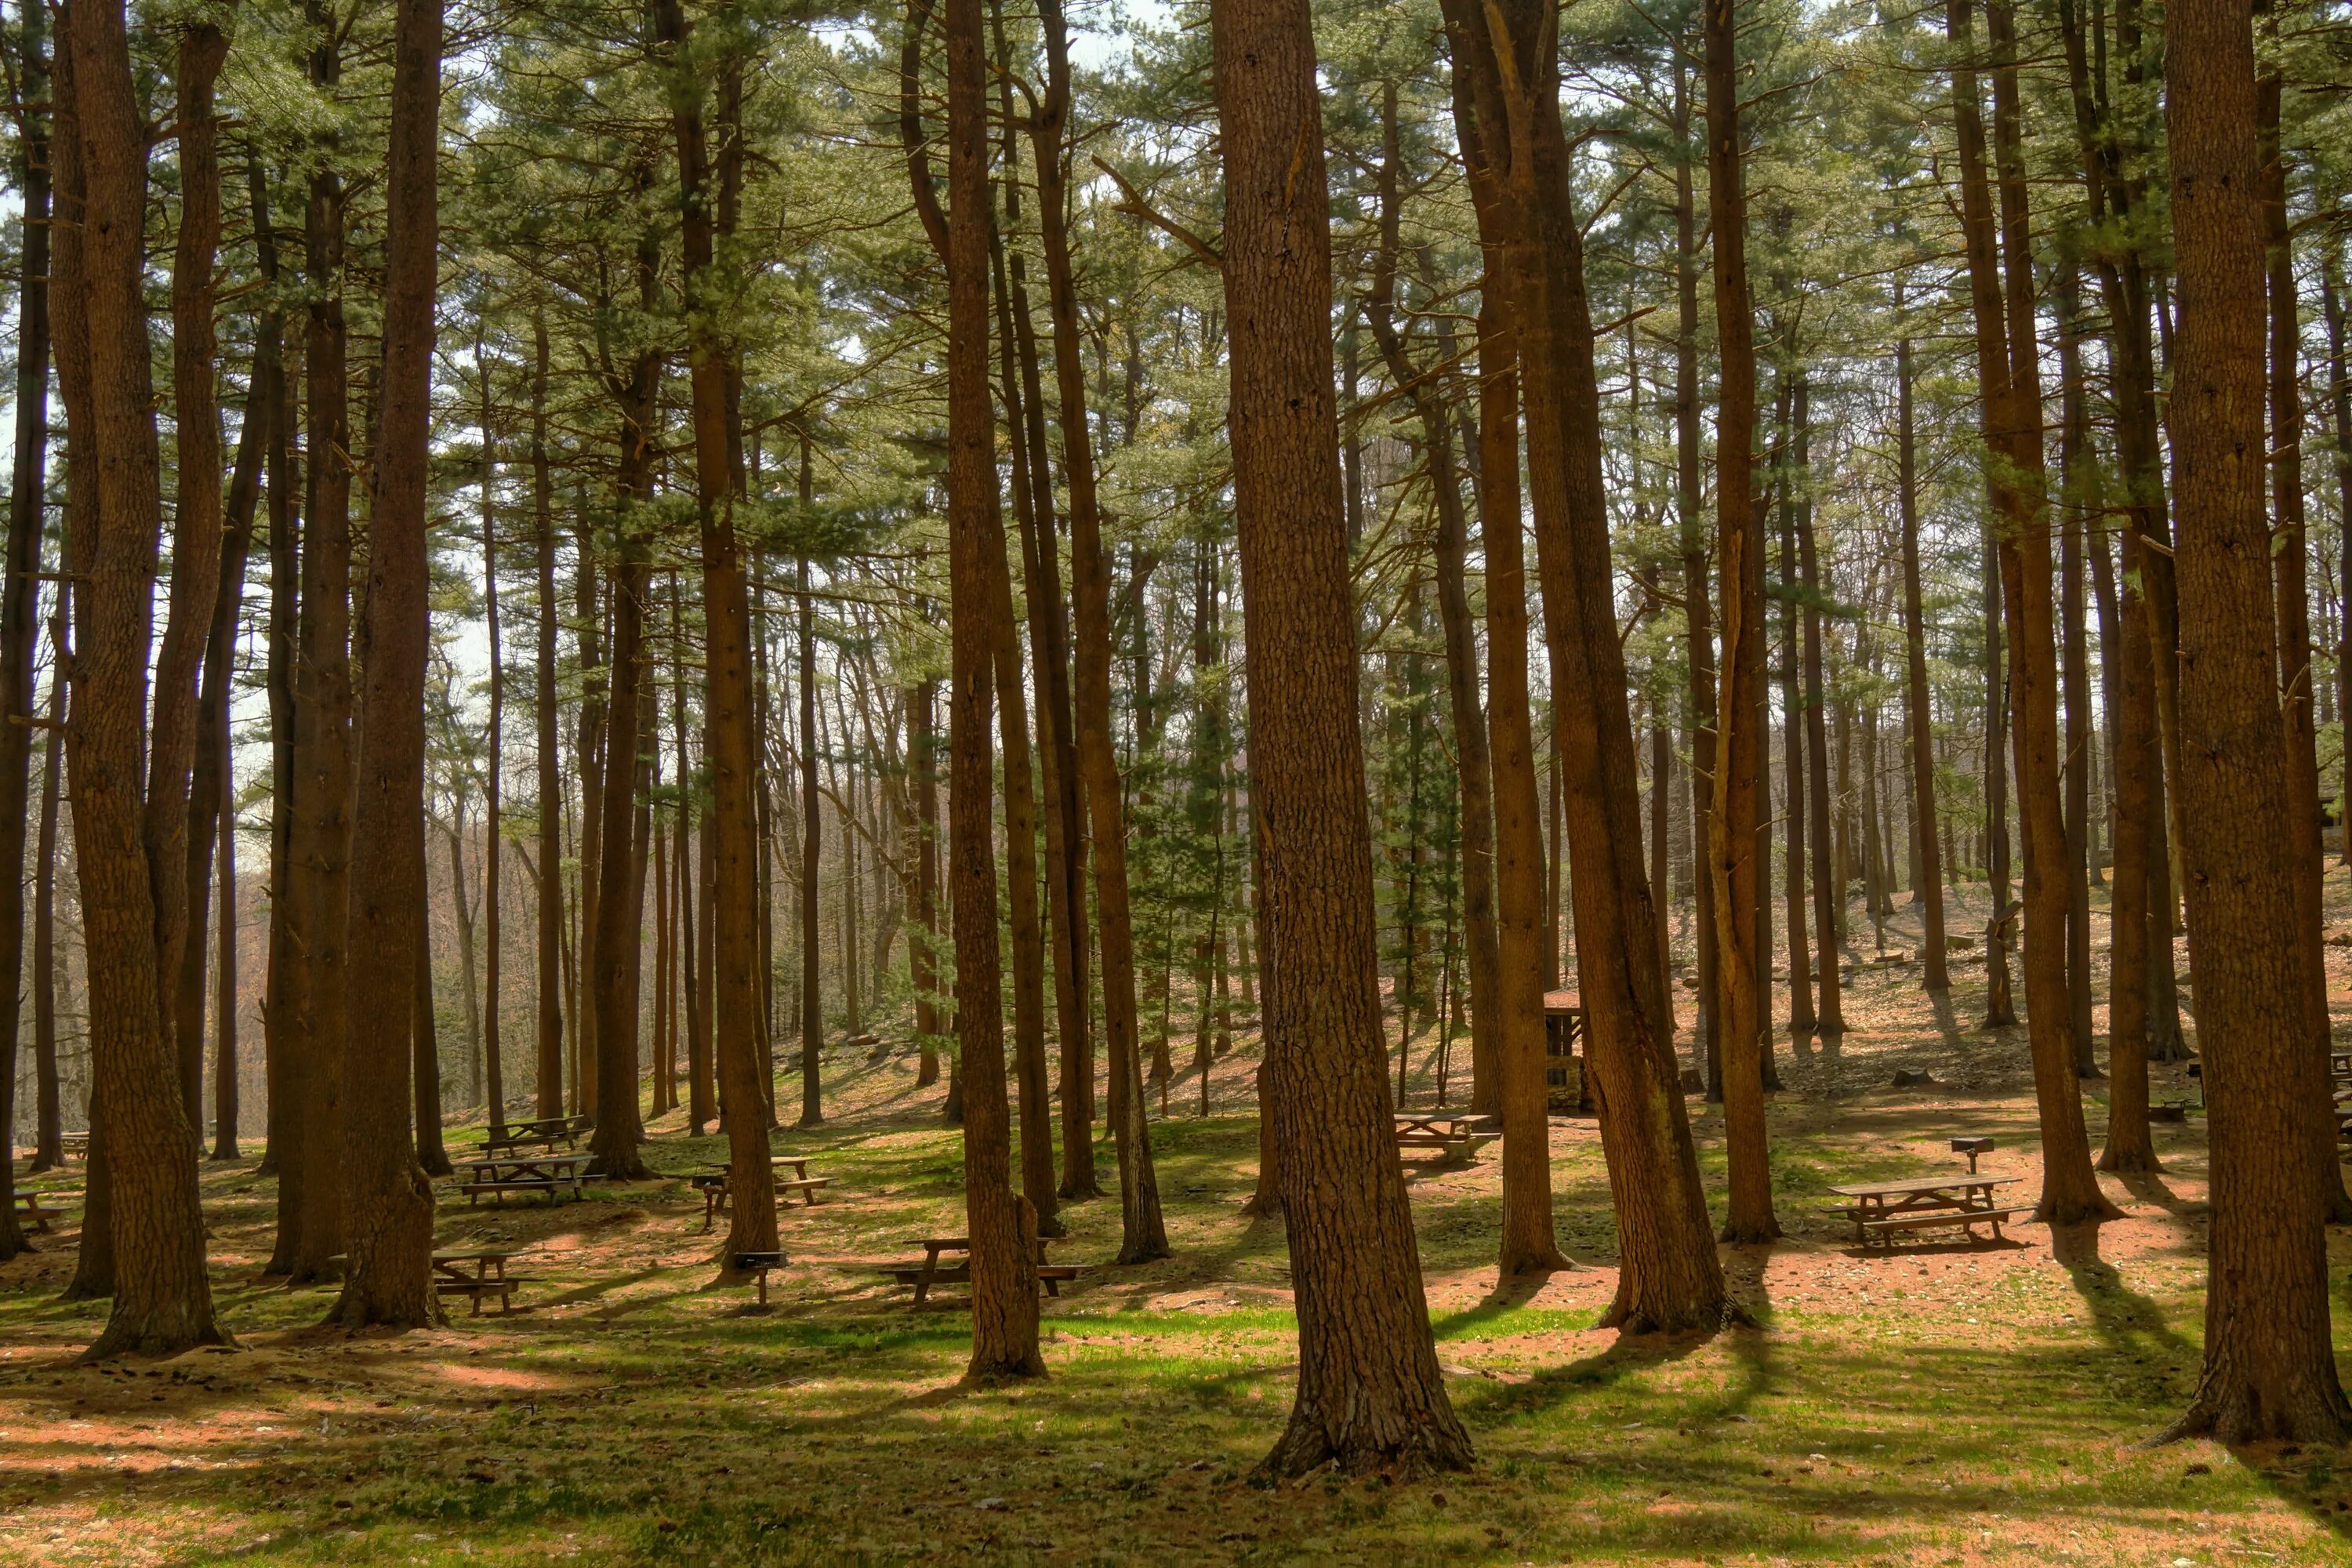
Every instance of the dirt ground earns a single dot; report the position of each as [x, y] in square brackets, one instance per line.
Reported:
[1942, 1404]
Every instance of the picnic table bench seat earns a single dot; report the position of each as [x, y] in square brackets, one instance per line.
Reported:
[1461, 1137]
[712, 1185]
[1965, 1219]
[502, 1287]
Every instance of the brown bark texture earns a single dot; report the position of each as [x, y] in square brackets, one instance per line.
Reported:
[388, 1279]
[1001, 1228]
[2270, 1365]
[162, 1301]
[1736, 812]
[1370, 1392]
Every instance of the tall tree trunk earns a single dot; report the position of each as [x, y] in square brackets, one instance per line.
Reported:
[2130, 908]
[2077, 496]
[1736, 811]
[617, 946]
[1698, 613]
[490, 1046]
[284, 1072]
[1796, 779]
[197, 538]
[20, 592]
[548, 1061]
[94, 1262]
[812, 1021]
[1001, 1224]
[389, 1277]
[1037, 1172]
[1829, 860]
[591, 758]
[162, 1298]
[1143, 1232]
[1370, 1392]
[1515, 1087]
[2269, 1366]
[1670, 1277]
[1470, 754]
[1918, 710]
[48, 1126]
[320, 849]
[2339, 412]
[211, 798]
[1049, 650]
[923, 952]
[424, 1036]
[225, 998]
[2070, 1189]
[700, 1105]
[2291, 596]
[728, 720]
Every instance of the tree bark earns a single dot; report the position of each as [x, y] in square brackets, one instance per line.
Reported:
[615, 951]
[2070, 1191]
[1002, 1226]
[733, 826]
[161, 1298]
[196, 548]
[225, 1000]
[547, 1070]
[1143, 1234]
[2077, 499]
[1698, 612]
[1515, 1087]
[2129, 1146]
[1472, 758]
[1796, 779]
[1918, 710]
[1670, 1277]
[491, 1043]
[320, 849]
[2339, 411]
[1829, 864]
[389, 1278]
[48, 1128]
[1037, 1172]
[20, 592]
[812, 1021]
[2269, 1366]
[2290, 570]
[1370, 1392]
[212, 801]
[1736, 811]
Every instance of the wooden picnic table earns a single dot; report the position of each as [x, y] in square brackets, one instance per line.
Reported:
[1883, 1210]
[1459, 1136]
[31, 1206]
[476, 1274]
[924, 1275]
[713, 1187]
[799, 1163]
[72, 1144]
[546, 1134]
[504, 1173]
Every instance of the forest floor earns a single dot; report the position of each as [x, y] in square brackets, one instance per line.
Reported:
[1944, 1404]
